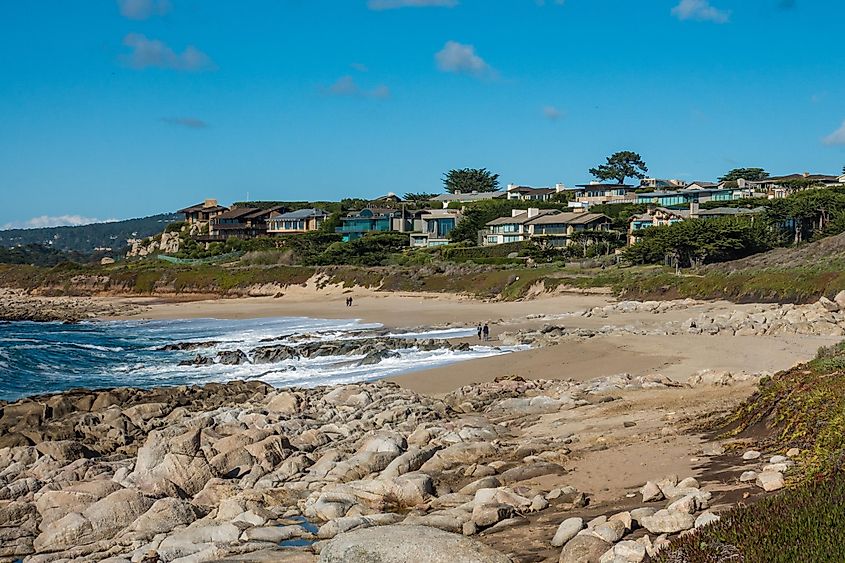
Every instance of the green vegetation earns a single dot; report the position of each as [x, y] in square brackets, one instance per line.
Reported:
[803, 524]
[621, 165]
[38, 255]
[697, 242]
[193, 250]
[370, 250]
[749, 174]
[468, 180]
[808, 214]
[805, 408]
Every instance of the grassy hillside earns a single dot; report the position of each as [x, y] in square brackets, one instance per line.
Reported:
[805, 408]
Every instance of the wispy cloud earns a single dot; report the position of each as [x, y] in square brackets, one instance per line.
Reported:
[837, 137]
[189, 122]
[54, 221]
[552, 113]
[346, 86]
[395, 4]
[700, 10]
[555, 2]
[462, 59]
[146, 53]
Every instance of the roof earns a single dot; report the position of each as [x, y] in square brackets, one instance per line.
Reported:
[237, 213]
[520, 219]
[475, 196]
[435, 213]
[376, 212]
[607, 186]
[530, 190]
[300, 214]
[664, 193]
[202, 207]
[789, 177]
[568, 219]
[703, 184]
[264, 213]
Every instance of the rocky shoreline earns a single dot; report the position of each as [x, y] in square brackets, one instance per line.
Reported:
[17, 305]
[243, 471]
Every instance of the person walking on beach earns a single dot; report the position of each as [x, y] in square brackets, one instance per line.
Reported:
[486, 332]
[479, 332]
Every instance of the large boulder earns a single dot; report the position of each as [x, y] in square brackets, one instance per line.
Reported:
[401, 543]
[99, 521]
[668, 522]
[584, 548]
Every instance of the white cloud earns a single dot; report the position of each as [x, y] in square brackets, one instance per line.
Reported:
[555, 2]
[189, 122]
[552, 113]
[143, 9]
[459, 58]
[700, 10]
[346, 86]
[154, 53]
[55, 221]
[395, 4]
[837, 137]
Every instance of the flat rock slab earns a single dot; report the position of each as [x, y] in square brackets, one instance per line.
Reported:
[400, 544]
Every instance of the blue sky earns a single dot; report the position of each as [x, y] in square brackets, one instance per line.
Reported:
[123, 108]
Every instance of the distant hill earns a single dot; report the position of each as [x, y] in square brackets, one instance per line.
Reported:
[40, 255]
[87, 239]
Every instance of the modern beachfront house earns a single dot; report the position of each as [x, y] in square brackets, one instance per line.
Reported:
[240, 222]
[433, 226]
[547, 226]
[296, 222]
[526, 193]
[778, 187]
[202, 213]
[374, 220]
[558, 229]
[686, 196]
[654, 217]
[511, 229]
[596, 193]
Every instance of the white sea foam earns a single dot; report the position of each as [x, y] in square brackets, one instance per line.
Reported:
[50, 357]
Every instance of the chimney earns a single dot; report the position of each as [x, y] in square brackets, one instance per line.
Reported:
[693, 210]
[511, 187]
[533, 212]
[209, 203]
[559, 188]
[517, 212]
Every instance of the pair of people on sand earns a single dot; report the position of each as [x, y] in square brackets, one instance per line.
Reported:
[483, 332]
[348, 301]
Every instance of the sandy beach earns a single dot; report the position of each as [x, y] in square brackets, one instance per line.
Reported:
[675, 356]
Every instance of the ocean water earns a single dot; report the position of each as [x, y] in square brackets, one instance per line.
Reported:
[40, 358]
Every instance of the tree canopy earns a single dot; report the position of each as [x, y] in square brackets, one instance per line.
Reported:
[748, 174]
[468, 180]
[419, 197]
[621, 165]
